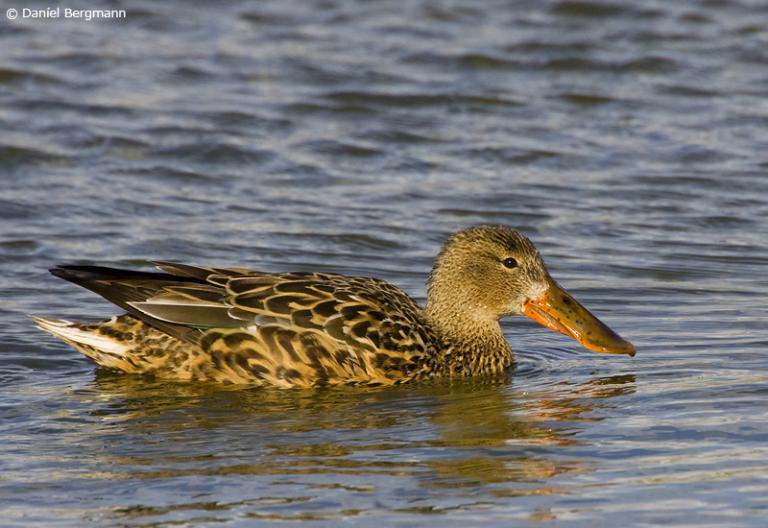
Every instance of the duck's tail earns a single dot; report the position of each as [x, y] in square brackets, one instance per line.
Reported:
[105, 350]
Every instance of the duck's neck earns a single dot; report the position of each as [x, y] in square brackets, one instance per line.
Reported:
[472, 344]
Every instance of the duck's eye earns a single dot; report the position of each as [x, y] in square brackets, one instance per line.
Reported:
[509, 262]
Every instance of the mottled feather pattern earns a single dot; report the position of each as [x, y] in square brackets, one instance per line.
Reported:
[288, 330]
[333, 327]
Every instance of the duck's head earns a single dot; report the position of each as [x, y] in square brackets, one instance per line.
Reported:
[488, 272]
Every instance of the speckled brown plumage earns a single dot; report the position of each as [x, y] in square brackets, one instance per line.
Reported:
[234, 325]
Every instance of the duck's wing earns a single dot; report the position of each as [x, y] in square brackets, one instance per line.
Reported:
[127, 287]
[335, 326]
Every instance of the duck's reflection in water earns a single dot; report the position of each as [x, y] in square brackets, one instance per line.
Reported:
[436, 440]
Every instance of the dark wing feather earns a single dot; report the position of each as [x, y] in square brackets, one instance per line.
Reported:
[124, 287]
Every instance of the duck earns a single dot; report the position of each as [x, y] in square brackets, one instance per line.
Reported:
[305, 329]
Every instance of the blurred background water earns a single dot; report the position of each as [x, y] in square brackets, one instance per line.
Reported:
[627, 139]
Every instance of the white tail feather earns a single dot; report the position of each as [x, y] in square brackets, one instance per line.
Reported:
[67, 331]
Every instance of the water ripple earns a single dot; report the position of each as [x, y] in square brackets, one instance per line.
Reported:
[626, 139]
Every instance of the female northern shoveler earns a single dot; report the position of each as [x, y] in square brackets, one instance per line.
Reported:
[310, 329]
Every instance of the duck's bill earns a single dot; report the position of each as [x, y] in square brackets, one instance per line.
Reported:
[558, 311]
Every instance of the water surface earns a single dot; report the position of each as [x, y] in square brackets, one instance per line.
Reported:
[626, 139]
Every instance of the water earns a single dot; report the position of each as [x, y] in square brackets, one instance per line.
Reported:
[627, 139]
